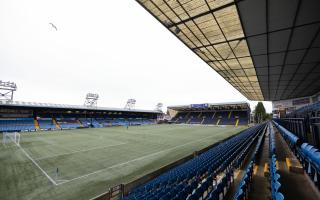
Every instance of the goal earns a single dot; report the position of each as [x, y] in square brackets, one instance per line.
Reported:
[9, 137]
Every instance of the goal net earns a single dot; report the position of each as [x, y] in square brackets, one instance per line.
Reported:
[11, 137]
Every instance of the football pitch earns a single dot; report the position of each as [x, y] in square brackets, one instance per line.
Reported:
[83, 163]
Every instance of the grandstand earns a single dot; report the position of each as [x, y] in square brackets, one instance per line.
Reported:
[27, 116]
[211, 114]
[266, 49]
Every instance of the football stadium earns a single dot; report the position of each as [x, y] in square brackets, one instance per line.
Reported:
[268, 50]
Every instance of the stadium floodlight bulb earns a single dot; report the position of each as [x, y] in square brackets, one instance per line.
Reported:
[177, 30]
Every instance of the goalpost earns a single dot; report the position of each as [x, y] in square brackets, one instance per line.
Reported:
[9, 137]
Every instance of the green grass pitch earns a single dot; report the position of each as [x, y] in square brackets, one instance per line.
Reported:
[92, 160]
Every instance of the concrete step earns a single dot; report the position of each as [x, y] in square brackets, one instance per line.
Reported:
[294, 165]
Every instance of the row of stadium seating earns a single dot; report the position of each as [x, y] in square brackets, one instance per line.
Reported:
[123, 122]
[305, 123]
[244, 187]
[243, 118]
[245, 183]
[273, 171]
[274, 179]
[314, 106]
[308, 155]
[96, 124]
[312, 155]
[18, 124]
[46, 123]
[310, 158]
[209, 173]
[85, 122]
[215, 118]
[30, 124]
[68, 123]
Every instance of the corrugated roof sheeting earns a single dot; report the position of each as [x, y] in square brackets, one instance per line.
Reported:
[213, 30]
[6, 103]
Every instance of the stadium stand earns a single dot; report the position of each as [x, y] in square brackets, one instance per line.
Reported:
[306, 109]
[222, 114]
[124, 121]
[68, 123]
[226, 118]
[86, 123]
[209, 173]
[304, 123]
[208, 117]
[244, 186]
[38, 116]
[264, 27]
[211, 118]
[17, 124]
[308, 155]
[195, 118]
[46, 123]
[243, 118]
[104, 122]
[95, 123]
[181, 117]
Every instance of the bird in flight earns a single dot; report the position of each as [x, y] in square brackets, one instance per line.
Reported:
[53, 26]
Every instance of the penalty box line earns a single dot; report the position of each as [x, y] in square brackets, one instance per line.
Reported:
[36, 164]
[136, 159]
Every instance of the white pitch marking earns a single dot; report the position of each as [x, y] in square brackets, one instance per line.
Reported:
[73, 152]
[36, 164]
[61, 181]
[136, 159]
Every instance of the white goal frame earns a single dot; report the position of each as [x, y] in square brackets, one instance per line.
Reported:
[8, 137]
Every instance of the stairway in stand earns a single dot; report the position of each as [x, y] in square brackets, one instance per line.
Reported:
[55, 123]
[36, 124]
[237, 122]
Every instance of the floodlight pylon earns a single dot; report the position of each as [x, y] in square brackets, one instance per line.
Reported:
[7, 89]
[91, 100]
[159, 106]
[130, 104]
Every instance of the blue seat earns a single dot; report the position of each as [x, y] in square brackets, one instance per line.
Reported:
[279, 196]
[172, 184]
[276, 186]
[240, 195]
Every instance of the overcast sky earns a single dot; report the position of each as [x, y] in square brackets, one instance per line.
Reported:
[113, 48]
